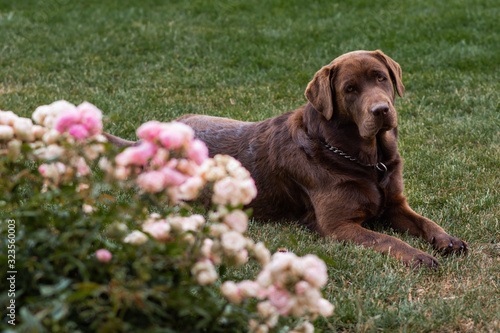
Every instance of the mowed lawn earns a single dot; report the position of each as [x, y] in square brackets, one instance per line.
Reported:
[251, 60]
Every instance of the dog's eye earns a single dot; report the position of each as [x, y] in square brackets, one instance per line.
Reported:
[349, 89]
[380, 78]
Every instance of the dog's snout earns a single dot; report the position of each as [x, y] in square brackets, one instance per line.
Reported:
[380, 109]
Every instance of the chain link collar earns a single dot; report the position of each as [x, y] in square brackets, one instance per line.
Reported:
[379, 165]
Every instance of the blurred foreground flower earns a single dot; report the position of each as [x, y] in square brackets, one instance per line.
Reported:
[167, 172]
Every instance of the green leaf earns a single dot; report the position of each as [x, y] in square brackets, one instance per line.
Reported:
[59, 311]
[49, 290]
[30, 322]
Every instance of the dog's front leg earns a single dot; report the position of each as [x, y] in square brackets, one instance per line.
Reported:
[353, 232]
[401, 217]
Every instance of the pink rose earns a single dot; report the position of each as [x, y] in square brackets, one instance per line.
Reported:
[171, 139]
[66, 119]
[173, 177]
[149, 131]
[81, 122]
[79, 131]
[43, 169]
[136, 155]
[82, 168]
[197, 151]
[90, 117]
[152, 181]
[160, 158]
[103, 255]
[282, 300]
[174, 135]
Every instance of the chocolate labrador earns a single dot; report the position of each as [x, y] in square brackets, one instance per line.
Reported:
[332, 164]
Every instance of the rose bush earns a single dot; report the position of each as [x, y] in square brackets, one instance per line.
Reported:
[112, 241]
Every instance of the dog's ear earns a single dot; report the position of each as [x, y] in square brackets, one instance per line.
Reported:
[394, 71]
[319, 91]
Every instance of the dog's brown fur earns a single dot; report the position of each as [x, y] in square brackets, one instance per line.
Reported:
[351, 107]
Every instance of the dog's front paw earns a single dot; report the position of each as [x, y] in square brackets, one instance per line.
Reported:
[447, 244]
[422, 259]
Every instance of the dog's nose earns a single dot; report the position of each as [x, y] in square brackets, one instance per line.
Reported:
[380, 109]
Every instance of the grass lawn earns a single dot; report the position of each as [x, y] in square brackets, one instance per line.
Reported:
[251, 60]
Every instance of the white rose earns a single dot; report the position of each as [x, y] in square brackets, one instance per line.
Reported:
[224, 191]
[237, 220]
[241, 257]
[249, 288]
[281, 261]
[158, 230]
[14, 147]
[136, 238]
[264, 278]
[193, 222]
[217, 230]
[262, 254]
[231, 292]
[233, 241]
[8, 118]
[23, 128]
[305, 327]
[46, 114]
[39, 131]
[51, 136]
[50, 152]
[190, 189]
[6, 132]
[105, 165]
[87, 208]
[269, 312]
[204, 272]
[92, 152]
[176, 222]
[325, 308]
[40, 113]
[206, 248]
[313, 269]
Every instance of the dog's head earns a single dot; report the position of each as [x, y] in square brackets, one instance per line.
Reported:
[358, 86]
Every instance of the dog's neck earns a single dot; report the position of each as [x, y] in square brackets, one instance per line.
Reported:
[345, 135]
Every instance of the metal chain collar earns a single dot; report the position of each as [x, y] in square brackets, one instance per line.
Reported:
[379, 166]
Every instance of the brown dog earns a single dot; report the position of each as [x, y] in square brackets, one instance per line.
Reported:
[332, 164]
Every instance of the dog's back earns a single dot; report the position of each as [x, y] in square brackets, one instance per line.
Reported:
[266, 149]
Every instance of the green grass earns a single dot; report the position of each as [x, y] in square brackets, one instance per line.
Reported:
[252, 60]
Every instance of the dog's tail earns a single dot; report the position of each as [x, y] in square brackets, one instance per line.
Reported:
[119, 142]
